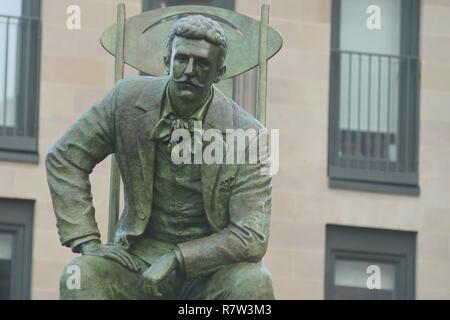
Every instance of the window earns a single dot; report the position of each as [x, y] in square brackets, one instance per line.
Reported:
[6, 240]
[155, 4]
[19, 79]
[16, 227]
[369, 264]
[242, 88]
[374, 94]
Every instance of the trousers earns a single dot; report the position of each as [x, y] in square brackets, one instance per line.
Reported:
[103, 279]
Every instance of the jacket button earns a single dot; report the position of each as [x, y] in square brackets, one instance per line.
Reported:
[141, 216]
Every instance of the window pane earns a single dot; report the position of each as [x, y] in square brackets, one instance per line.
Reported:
[369, 101]
[369, 80]
[18, 77]
[356, 36]
[6, 243]
[9, 31]
[351, 277]
[11, 8]
[9, 46]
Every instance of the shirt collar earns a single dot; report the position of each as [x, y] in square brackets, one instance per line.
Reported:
[198, 115]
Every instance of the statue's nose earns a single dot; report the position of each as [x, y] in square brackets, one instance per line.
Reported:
[190, 67]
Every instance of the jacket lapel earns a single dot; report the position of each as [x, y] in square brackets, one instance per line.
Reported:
[220, 117]
[150, 102]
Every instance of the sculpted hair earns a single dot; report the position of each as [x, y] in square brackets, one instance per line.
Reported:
[199, 27]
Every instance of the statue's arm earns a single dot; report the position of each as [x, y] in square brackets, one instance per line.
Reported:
[70, 161]
[245, 238]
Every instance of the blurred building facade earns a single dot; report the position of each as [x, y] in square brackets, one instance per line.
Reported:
[360, 93]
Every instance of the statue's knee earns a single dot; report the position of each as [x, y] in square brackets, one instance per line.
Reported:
[79, 272]
[251, 281]
[89, 277]
[258, 276]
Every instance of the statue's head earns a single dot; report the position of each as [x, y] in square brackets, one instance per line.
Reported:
[195, 57]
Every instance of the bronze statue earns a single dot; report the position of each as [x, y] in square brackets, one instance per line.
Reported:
[188, 231]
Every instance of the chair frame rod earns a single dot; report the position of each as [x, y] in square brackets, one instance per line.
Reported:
[114, 181]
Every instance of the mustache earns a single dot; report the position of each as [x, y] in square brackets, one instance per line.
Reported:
[192, 81]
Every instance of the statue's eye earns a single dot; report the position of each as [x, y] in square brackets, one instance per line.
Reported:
[203, 64]
[181, 57]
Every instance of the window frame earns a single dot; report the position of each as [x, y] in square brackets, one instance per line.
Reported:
[16, 217]
[366, 179]
[13, 148]
[369, 244]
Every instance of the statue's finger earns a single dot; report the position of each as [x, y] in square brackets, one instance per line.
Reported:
[152, 290]
[129, 260]
[133, 260]
[156, 292]
[115, 257]
[142, 265]
[124, 259]
[148, 291]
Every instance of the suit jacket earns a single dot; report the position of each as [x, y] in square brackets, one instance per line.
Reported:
[237, 197]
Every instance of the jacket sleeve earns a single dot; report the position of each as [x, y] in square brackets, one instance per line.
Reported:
[70, 161]
[246, 236]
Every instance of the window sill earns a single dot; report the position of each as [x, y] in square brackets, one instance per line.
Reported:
[409, 190]
[27, 157]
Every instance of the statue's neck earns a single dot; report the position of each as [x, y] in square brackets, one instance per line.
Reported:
[184, 108]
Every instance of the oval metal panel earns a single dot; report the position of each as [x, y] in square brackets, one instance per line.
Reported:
[146, 37]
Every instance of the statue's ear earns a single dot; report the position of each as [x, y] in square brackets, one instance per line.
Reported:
[167, 64]
[220, 73]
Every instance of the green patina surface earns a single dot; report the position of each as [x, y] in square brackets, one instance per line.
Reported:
[223, 259]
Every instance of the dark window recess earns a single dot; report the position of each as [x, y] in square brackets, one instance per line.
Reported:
[6, 243]
[374, 97]
[20, 39]
[16, 234]
[369, 264]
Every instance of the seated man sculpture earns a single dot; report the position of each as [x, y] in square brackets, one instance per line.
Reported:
[187, 231]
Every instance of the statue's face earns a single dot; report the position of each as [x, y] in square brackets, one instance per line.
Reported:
[194, 67]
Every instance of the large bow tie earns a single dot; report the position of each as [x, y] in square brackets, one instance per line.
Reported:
[164, 128]
[166, 125]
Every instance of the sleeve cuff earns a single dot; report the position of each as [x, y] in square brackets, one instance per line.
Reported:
[180, 260]
[75, 244]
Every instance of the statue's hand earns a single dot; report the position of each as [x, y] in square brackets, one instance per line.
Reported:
[157, 272]
[112, 252]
